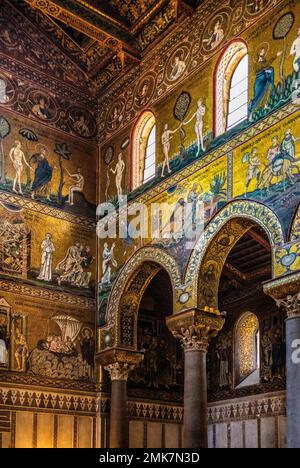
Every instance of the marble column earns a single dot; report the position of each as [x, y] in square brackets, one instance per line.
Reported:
[195, 329]
[119, 363]
[119, 424]
[292, 306]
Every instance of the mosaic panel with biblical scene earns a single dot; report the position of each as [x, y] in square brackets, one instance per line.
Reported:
[46, 251]
[254, 160]
[43, 338]
[43, 165]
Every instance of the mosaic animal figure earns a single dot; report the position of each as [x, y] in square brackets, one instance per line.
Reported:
[282, 168]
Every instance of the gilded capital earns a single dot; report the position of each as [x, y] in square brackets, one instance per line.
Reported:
[119, 370]
[195, 328]
[291, 304]
[119, 362]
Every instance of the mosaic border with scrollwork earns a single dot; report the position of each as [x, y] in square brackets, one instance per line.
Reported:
[249, 210]
[295, 231]
[46, 210]
[145, 254]
[38, 75]
[9, 65]
[125, 88]
[43, 293]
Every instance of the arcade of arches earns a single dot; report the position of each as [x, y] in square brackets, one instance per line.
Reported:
[149, 224]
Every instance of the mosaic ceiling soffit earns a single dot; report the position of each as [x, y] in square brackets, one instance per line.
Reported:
[105, 38]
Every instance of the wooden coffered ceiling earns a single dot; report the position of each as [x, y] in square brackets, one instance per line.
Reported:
[111, 34]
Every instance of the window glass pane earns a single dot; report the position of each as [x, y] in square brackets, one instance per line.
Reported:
[238, 95]
[238, 102]
[150, 160]
[149, 170]
[240, 88]
[241, 71]
[238, 115]
[150, 151]
[150, 156]
[151, 176]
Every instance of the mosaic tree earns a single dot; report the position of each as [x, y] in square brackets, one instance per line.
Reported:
[29, 136]
[63, 152]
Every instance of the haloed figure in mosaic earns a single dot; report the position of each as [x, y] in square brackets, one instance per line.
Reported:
[289, 145]
[3, 341]
[73, 268]
[22, 350]
[43, 174]
[295, 50]
[216, 37]
[178, 69]
[47, 249]
[265, 78]
[108, 260]
[81, 126]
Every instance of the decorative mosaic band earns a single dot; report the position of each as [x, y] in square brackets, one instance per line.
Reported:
[55, 296]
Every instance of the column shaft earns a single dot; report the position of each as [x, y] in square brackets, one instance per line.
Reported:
[119, 425]
[195, 400]
[293, 382]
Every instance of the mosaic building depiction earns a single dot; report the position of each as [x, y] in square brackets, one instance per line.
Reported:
[160, 111]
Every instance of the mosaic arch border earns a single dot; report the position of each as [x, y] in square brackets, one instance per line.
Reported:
[239, 209]
[142, 256]
[295, 227]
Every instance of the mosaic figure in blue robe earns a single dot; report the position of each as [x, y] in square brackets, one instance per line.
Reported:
[265, 76]
[43, 173]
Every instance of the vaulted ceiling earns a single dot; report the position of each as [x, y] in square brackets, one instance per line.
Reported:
[106, 37]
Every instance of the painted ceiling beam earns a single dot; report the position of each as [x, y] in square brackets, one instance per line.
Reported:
[88, 23]
[258, 238]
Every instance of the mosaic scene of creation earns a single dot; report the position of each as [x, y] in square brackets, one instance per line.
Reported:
[238, 154]
[177, 103]
[48, 158]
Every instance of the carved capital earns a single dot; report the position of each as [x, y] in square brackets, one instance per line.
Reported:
[193, 338]
[195, 328]
[119, 370]
[291, 304]
[119, 362]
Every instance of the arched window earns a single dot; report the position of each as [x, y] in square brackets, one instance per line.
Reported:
[247, 350]
[231, 88]
[144, 150]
